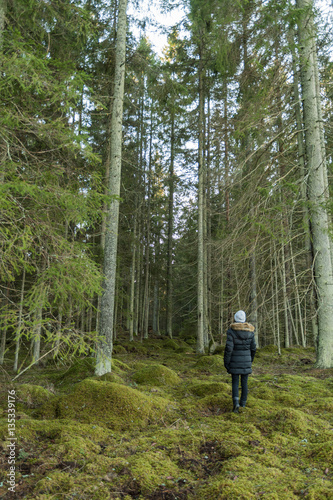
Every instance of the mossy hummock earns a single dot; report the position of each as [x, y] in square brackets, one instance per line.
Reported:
[156, 374]
[108, 404]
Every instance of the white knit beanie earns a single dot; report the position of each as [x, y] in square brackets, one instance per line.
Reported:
[240, 317]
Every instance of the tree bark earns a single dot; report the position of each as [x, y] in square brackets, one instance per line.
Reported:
[37, 335]
[201, 282]
[104, 349]
[19, 324]
[148, 238]
[317, 175]
[253, 295]
[132, 292]
[3, 10]
[169, 312]
[156, 326]
[277, 302]
[4, 328]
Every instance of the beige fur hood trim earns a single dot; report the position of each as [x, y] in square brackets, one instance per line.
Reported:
[247, 327]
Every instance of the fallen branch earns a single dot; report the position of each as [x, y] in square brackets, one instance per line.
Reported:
[34, 362]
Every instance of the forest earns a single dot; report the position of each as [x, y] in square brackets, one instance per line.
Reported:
[146, 196]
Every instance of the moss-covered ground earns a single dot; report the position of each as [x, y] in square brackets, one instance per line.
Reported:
[161, 427]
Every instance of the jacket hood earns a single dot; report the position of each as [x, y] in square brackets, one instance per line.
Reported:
[245, 327]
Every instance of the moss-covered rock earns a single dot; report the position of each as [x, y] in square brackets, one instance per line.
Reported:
[79, 370]
[77, 448]
[156, 374]
[135, 347]
[216, 403]
[244, 477]
[56, 483]
[219, 350]
[293, 422]
[34, 430]
[321, 406]
[212, 364]
[207, 388]
[182, 349]
[107, 404]
[154, 469]
[109, 377]
[32, 396]
[61, 484]
[119, 349]
[170, 344]
[119, 366]
[270, 348]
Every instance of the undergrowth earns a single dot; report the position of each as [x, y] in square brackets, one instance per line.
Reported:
[161, 427]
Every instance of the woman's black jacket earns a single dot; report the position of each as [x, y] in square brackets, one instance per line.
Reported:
[240, 348]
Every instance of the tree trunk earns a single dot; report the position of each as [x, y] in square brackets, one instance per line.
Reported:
[206, 155]
[317, 175]
[201, 283]
[277, 302]
[4, 328]
[253, 295]
[136, 328]
[156, 327]
[104, 350]
[305, 210]
[19, 324]
[132, 292]
[3, 9]
[37, 335]
[58, 334]
[169, 312]
[285, 298]
[147, 250]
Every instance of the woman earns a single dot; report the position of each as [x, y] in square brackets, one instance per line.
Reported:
[239, 352]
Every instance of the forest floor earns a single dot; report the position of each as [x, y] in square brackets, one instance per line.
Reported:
[161, 427]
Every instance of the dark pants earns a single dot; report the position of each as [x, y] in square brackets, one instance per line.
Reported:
[235, 385]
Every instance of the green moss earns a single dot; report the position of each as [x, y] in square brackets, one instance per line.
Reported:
[135, 347]
[262, 391]
[59, 485]
[216, 403]
[291, 400]
[156, 374]
[268, 348]
[182, 349]
[227, 489]
[243, 477]
[320, 491]
[119, 366]
[107, 404]
[82, 368]
[212, 364]
[321, 405]
[321, 452]
[44, 430]
[153, 469]
[77, 448]
[170, 344]
[119, 349]
[55, 483]
[219, 350]
[32, 395]
[278, 448]
[109, 377]
[294, 422]
[207, 388]
[99, 465]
